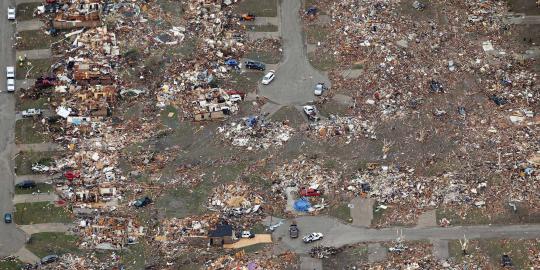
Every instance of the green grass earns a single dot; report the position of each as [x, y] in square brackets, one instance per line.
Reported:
[38, 67]
[255, 248]
[494, 249]
[135, 256]
[11, 264]
[267, 56]
[40, 212]
[246, 81]
[322, 61]
[357, 66]
[260, 8]
[24, 161]
[28, 103]
[479, 216]
[28, 131]
[34, 39]
[182, 202]
[341, 211]
[263, 28]
[47, 243]
[42, 187]
[316, 33]
[26, 10]
[172, 7]
[171, 122]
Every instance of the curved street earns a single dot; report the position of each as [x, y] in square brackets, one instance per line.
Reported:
[295, 77]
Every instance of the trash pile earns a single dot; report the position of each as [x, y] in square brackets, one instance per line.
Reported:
[256, 133]
[235, 200]
[409, 195]
[322, 252]
[241, 260]
[304, 172]
[342, 126]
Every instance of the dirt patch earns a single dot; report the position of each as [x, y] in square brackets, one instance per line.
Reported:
[529, 7]
[260, 8]
[350, 256]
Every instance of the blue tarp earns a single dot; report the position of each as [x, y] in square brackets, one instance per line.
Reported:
[231, 62]
[251, 121]
[302, 205]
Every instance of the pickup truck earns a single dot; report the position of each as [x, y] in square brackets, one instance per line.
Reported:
[31, 112]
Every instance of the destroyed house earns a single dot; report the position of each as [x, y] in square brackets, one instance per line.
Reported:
[223, 234]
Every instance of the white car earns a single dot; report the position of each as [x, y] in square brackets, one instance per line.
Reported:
[319, 89]
[10, 72]
[311, 112]
[312, 237]
[31, 112]
[247, 234]
[11, 85]
[11, 13]
[235, 98]
[269, 77]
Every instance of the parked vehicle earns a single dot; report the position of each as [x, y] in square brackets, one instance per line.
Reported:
[293, 230]
[10, 72]
[255, 65]
[319, 89]
[11, 13]
[142, 202]
[8, 218]
[49, 259]
[247, 17]
[269, 77]
[235, 92]
[309, 192]
[235, 98]
[312, 237]
[31, 112]
[247, 234]
[10, 85]
[26, 184]
[311, 112]
[506, 261]
[40, 168]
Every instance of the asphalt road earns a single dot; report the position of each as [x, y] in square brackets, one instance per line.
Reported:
[11, 238]
[295, 77]
[338, 234]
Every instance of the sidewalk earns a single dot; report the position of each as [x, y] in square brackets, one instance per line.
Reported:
[35, 54]
[30, 198]
[39, 147]
[44, 227]
[34, 24]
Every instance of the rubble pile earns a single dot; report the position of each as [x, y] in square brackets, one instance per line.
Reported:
[322, 252]
[256, 133]
[399, 187]
[340, 126]
[304, 172]
[241, 260]
[236, 200]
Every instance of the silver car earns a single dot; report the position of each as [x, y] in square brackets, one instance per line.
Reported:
[11, 13]
[11, 85]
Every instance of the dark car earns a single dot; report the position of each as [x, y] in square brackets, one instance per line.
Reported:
[8, 218]
[142, 202]
[49, 259]
[506, 260]
[293, 231]
[255, 65]
[26, 184]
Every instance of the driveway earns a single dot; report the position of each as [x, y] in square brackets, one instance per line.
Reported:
[295, 77]
[338, 234]
[11, 238]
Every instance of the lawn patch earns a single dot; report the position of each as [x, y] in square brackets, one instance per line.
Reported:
[173, 7]
[266, 56]
[246, 81]
[25, 11]
[322, 61]
[134, 257]
[480, 216]
[316, 33]
[11, 264]
[340, 211]
[169, 117]
[28, 103]
[40, 212]
[24, 161]
[494, 249]
[28, 131]
[263, 28]
[43, 244]
[38, 67]
[34, 39]
[41, 187]
[260, 8]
